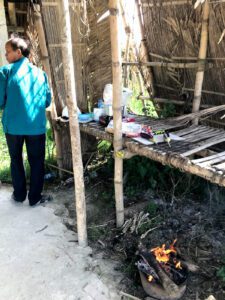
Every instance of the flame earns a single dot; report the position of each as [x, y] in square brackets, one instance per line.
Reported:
[162, 254]
[150, 278]
[178, 265]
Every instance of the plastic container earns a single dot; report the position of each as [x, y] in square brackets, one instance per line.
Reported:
[85, 117]
[98, 112]
[108, 94]
[108, 110]
[100, 103]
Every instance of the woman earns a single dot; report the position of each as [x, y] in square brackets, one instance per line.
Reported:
[24, 96]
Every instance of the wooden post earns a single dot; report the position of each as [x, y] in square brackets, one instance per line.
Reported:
[144, 50]
[45, 61]
[3, 35]
[71, 101]
[12, 13]
[117, 108]
[201, 59]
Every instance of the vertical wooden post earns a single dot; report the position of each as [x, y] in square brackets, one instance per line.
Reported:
[117, 108]
[45, 61]
[144, 51]
[201, 59]
[12, 13]
[71, 101]
[4, 34]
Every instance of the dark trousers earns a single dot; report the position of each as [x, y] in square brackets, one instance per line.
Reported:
[35, 145]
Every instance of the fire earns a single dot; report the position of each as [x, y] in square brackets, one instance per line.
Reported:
[178, 265]
[163, 255]
[150, 278]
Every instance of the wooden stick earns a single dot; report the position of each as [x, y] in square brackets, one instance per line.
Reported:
[60, 169]
[117, 113]
[129, 296]
[201, 57]
[71, 100]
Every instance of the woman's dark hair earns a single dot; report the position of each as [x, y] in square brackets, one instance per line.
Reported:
[18, 43]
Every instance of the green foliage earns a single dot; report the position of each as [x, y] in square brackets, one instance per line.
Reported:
[50, 145]
[221, 273]
[168, 110]
[151, 209]
[104, 147]
[143, 173]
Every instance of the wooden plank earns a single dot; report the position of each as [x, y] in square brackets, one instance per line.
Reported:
[209, 143]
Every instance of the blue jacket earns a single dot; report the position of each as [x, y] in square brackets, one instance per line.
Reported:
[24, 96]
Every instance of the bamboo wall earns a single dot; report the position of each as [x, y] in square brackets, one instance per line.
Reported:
[99, 49]
[173, 29]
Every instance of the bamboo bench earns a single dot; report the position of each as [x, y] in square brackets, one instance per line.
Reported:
[197, 139]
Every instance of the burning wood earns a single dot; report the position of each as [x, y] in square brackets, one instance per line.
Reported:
[163, 274]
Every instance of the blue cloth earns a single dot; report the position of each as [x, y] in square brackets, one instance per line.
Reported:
[24, 96]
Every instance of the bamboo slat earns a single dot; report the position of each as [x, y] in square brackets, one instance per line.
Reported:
[213, 161]
[204, 159]
[208, 143]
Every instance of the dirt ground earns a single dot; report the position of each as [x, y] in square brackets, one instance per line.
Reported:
[198, 226]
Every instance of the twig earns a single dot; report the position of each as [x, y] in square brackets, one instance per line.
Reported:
[42, 229]
[92, 154]
[60, 169]
[129, 296]
[101, 243]
[147, 232]
[101, 225]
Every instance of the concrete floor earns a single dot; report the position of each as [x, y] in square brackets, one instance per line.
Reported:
[40, 259]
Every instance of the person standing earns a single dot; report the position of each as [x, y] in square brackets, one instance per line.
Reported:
[24, 97]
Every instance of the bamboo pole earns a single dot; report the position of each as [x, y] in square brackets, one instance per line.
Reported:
[12, 13]
[162, 64]
[71, 101]
[117, 104]
[175, 102]
[144, 49]
[168, 3]
[128, 42]
[45, 61]
[4, 33]
[201, 57]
